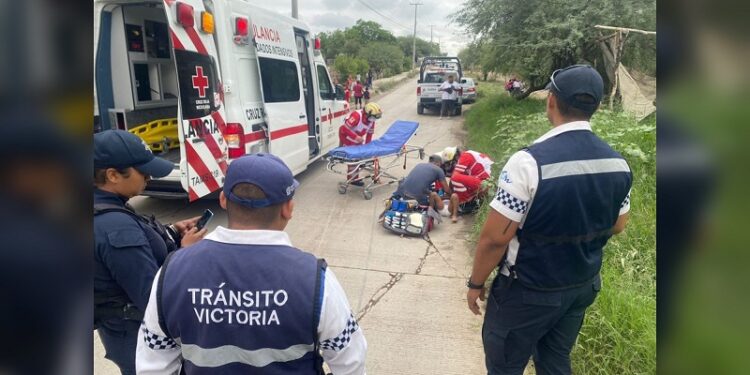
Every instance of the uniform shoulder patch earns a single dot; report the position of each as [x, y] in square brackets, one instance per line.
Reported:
[127, 238]
[353, 119]
[505, 177]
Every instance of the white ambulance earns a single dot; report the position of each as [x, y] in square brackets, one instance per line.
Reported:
[233, 79]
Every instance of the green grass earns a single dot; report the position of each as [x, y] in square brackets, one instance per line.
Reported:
[619, 333]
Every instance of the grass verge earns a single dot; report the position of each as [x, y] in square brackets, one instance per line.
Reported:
[619, 333]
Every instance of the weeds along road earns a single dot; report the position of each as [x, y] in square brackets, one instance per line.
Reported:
[408, 294]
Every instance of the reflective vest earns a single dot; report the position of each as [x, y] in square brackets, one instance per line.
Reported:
[242, 308]
[582, 185]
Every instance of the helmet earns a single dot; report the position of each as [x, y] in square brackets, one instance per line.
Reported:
[448, 153]
[373, 110]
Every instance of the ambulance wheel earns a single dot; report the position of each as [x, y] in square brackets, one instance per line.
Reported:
[420, 109]
[367, 194]
[342, 188]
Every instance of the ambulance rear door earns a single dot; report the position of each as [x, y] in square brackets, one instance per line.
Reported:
[201, 114]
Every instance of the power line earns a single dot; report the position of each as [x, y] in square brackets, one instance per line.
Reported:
[383, 15]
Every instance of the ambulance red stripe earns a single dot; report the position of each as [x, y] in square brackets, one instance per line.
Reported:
[254, 136]
[176, 41]
[192, 196]
[276, 134]
[200, 168]
[196, 39]
[213, 146]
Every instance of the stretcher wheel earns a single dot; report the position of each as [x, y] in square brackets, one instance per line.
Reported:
[367, 194]
[342, 188]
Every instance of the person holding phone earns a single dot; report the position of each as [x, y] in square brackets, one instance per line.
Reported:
[129, 247]
[244, 299]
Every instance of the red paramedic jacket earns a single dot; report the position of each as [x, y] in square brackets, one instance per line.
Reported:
[355, 126]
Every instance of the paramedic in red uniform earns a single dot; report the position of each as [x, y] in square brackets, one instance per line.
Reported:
[469, 172]
[358, 129]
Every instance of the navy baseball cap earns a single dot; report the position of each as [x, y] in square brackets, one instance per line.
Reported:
[121, 149]
[577, 80]
[265, 171]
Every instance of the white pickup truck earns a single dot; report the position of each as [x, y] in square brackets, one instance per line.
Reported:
[432, 73]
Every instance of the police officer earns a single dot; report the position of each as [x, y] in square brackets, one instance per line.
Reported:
[244, 300]
[129, 248]
[558, 203]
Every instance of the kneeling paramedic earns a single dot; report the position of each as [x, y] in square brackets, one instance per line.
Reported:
[469, 173]
[244, 300]
[358, 129]
[550, 251]
[129, 248]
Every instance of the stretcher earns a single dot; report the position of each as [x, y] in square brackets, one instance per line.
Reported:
[365, 160]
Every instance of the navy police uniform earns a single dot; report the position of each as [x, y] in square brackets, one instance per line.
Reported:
[566, 191]
[247, 301]
[129, 249]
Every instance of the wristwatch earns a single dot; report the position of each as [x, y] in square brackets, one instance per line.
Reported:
[471, 285]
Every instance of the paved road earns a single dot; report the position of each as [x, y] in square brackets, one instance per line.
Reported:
[408, 294]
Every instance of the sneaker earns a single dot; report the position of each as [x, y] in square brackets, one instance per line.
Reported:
[357, 183]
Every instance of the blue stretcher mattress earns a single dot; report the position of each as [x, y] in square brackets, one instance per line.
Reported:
[388, 144]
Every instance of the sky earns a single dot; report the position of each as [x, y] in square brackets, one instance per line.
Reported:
[327, 15]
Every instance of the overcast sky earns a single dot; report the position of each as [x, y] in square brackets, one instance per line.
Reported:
[327, 15]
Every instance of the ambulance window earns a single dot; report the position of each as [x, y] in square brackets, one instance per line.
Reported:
[280, 80]
[197, 79]
[325, 83]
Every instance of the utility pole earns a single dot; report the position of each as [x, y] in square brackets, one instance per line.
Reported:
[295, 14]
[414, 41]
[431, 26]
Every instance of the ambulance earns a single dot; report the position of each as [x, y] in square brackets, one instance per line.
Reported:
[204, 82]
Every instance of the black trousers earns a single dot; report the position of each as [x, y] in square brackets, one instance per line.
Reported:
[447, 107]
[521, 322]
[120, 348]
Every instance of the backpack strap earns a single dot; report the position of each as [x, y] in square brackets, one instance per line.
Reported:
[320, 271]
[159, 299]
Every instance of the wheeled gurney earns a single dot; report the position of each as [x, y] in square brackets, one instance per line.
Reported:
[365, 159]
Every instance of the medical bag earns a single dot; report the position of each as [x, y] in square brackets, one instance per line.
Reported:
[406, 217]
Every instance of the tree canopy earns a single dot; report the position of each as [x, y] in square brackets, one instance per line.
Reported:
[532, 38]
[366, 45]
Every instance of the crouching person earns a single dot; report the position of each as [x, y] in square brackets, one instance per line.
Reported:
[244, 300]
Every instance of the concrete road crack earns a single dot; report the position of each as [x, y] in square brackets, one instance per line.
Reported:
[437, 251]
[382, 291]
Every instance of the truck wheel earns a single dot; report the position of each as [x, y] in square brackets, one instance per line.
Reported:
[420, 109]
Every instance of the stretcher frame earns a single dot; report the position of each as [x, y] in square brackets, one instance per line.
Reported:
[372, 168]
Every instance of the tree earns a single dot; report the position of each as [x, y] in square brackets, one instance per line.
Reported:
[365, 32]
[347, 65]
[532, 38]
[385, 59]
[424, 48]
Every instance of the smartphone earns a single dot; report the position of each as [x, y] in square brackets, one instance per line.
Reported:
[204, 219]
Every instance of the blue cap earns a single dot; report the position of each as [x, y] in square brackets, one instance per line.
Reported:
[577, 80]
[265, 171]
[121, 149]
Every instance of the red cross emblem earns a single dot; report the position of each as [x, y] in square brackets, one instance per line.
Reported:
[200, 82]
